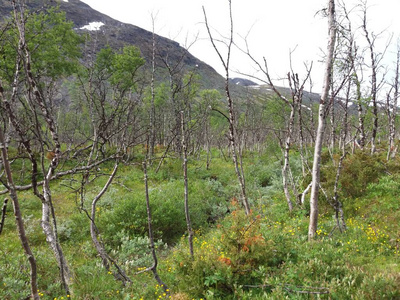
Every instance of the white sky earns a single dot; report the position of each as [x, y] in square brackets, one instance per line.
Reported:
[275, 27]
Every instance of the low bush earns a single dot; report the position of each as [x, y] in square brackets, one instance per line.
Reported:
[207, 203]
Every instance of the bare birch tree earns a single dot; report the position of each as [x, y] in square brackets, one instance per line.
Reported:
[391, 108]
[186, 186]
[152, 268]
[295, 105]
[108, 262]
[232, 132]
[374, 63]
[322, 113]
[152, 112]
[41, 106]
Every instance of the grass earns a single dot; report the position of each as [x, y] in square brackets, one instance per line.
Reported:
[262, 256]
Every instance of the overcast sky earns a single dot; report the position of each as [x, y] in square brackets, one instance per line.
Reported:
[273, 27]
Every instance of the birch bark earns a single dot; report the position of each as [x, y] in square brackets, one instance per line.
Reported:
[322, 122]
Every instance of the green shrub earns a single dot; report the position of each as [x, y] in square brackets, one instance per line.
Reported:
[14, 273]
[74, 229]
[236, 255]
[206, 204]
[358, 171]
[135, 253]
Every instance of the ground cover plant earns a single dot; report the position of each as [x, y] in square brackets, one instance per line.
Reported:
[128, 179]
[264, 255]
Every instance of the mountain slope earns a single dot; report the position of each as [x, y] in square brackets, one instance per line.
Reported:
[105, 30]
[108, 31]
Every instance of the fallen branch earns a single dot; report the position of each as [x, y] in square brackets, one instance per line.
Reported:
[61, 174]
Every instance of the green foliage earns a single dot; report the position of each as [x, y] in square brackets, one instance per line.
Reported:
[92, 282]
[125, 67]
[135, 253]
[53, 44]
[358, 171]
[265, 255]
[74, 229]
[210, 98]
[166, 200]
[283, 264]
[387, 186]
[14, 272]
[262, 256]
[235, 255]
[104, 62]
[276, 111]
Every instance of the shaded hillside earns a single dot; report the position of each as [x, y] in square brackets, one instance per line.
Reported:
[105, 30]
[117, 34]
[242, 82]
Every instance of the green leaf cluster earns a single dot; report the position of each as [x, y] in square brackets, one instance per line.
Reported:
[51, 40]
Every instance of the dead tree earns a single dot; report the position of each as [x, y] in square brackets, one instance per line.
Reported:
[177, 86]
[232, 131]
[152, 114]
[391, 109]
[322, 112]
[3, 214]
[374, 66]
[153, 268]
[108, 262]
[295, 106]
[186, 187]
[359, 99]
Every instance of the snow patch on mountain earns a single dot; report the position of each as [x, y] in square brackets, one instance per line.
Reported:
[93, 26]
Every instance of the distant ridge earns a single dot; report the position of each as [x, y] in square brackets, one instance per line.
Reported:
[242, 82]
[108, 31]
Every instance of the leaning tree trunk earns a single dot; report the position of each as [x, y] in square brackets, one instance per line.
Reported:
[3, 214]
[50, 229]
[153, 268]
[321, 123]
[18, 218]
[107, 261]
[232, 140]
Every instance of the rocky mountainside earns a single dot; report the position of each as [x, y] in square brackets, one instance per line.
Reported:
[242, 82]
[108, 31]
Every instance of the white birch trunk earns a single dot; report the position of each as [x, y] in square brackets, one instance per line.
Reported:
[321, 122]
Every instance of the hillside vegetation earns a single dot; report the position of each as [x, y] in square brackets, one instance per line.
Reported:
[265, 255]
[125, 176]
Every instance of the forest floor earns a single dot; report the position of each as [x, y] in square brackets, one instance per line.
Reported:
[265, 255]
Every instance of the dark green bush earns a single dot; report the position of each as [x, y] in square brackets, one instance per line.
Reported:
[206, 204]
[358, 171]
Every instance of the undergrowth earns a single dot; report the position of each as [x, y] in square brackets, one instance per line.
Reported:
[265, 255]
